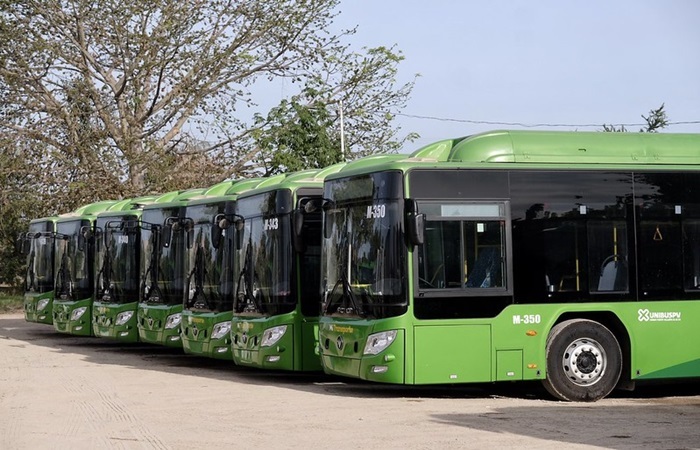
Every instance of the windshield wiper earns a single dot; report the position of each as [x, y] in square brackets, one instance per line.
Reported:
[64, 285]
[347, 294]
[30, 276]
[152, 293]
[106, 274]
[198, 272]
[244, 289]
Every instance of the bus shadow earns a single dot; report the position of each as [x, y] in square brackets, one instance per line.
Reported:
[661, 423]
[144, 356]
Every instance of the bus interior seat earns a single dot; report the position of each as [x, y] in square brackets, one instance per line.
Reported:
[487, 270]
[613, 275]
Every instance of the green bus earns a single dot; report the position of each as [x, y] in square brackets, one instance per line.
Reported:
[162, 274]
[38, 245]
[572, 258]
[117, 255]
[210, 285]
[74, 269]
[275, 319]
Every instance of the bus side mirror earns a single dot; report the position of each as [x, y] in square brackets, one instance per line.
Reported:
[166, 235]
[22, 244]
[216, 232]
[239, 225]
[189, 231]
[328, 217]
[84, 237]
[297, 229]
[415, 223]
[100, 239]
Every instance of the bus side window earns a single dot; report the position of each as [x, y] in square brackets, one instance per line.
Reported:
[607, 256]
[462, 254]
[691, 255]
[439, 261]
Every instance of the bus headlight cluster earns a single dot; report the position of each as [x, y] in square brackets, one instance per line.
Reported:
[173, 321]
[78, 313]
[220, 330]
[123, 317]
[41, 304]
[378, 342]
[272, 335]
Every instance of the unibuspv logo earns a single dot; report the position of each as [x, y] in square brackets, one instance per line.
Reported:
[646, 315]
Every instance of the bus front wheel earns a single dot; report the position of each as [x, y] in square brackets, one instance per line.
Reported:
[584, 361]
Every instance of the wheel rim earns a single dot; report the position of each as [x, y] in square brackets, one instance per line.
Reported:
[584, 362]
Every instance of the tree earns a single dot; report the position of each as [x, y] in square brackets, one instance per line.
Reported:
[305, 132]
[121, 89]
[655, 121]
[111, 99]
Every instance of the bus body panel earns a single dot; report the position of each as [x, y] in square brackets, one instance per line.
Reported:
[512, 345]
[310, 357]
[38, 307]
[247, 336]
[64, 319]
[108, 321]
[196, 332]
[152, 322]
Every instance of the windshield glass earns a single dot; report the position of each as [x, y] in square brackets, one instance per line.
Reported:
[39, 277]
[264, 285]
[71, 262]
[364, 255]
[117, 254]
[209, 279]
[162, 263]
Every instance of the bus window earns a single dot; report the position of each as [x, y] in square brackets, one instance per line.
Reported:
[460, 252]
[484, 253]
[659, 244]
[691, 255]
[563, 257]
[607, 256]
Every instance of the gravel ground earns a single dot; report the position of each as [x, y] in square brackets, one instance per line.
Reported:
[59, 391]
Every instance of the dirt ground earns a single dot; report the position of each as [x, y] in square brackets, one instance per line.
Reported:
[60, 391]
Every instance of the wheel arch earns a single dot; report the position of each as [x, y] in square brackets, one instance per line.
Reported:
[613, 323]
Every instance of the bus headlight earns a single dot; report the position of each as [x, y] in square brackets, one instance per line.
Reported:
[173, 321]
[123, 317]
[378, 342]
[220, 330]
[78, 313]
[41, 304]
[272, 335]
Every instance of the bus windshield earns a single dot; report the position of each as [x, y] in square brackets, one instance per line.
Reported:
[161, 262]
[40, 259]
[264, 284]
[117, 260]
[71, 262]
[364, 262]
[209, 278]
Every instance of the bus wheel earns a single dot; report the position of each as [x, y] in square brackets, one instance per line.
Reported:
[584, 361]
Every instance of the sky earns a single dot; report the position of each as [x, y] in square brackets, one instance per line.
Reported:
[550, 62]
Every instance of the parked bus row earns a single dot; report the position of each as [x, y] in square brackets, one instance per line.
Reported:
[572, 258]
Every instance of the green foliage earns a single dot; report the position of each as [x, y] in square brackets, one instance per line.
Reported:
[306, 131]
[10, 303]
[297, 137]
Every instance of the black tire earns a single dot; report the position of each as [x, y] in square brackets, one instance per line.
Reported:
[584, 361]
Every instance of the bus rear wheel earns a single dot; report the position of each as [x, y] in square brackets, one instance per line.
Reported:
[584, 361]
